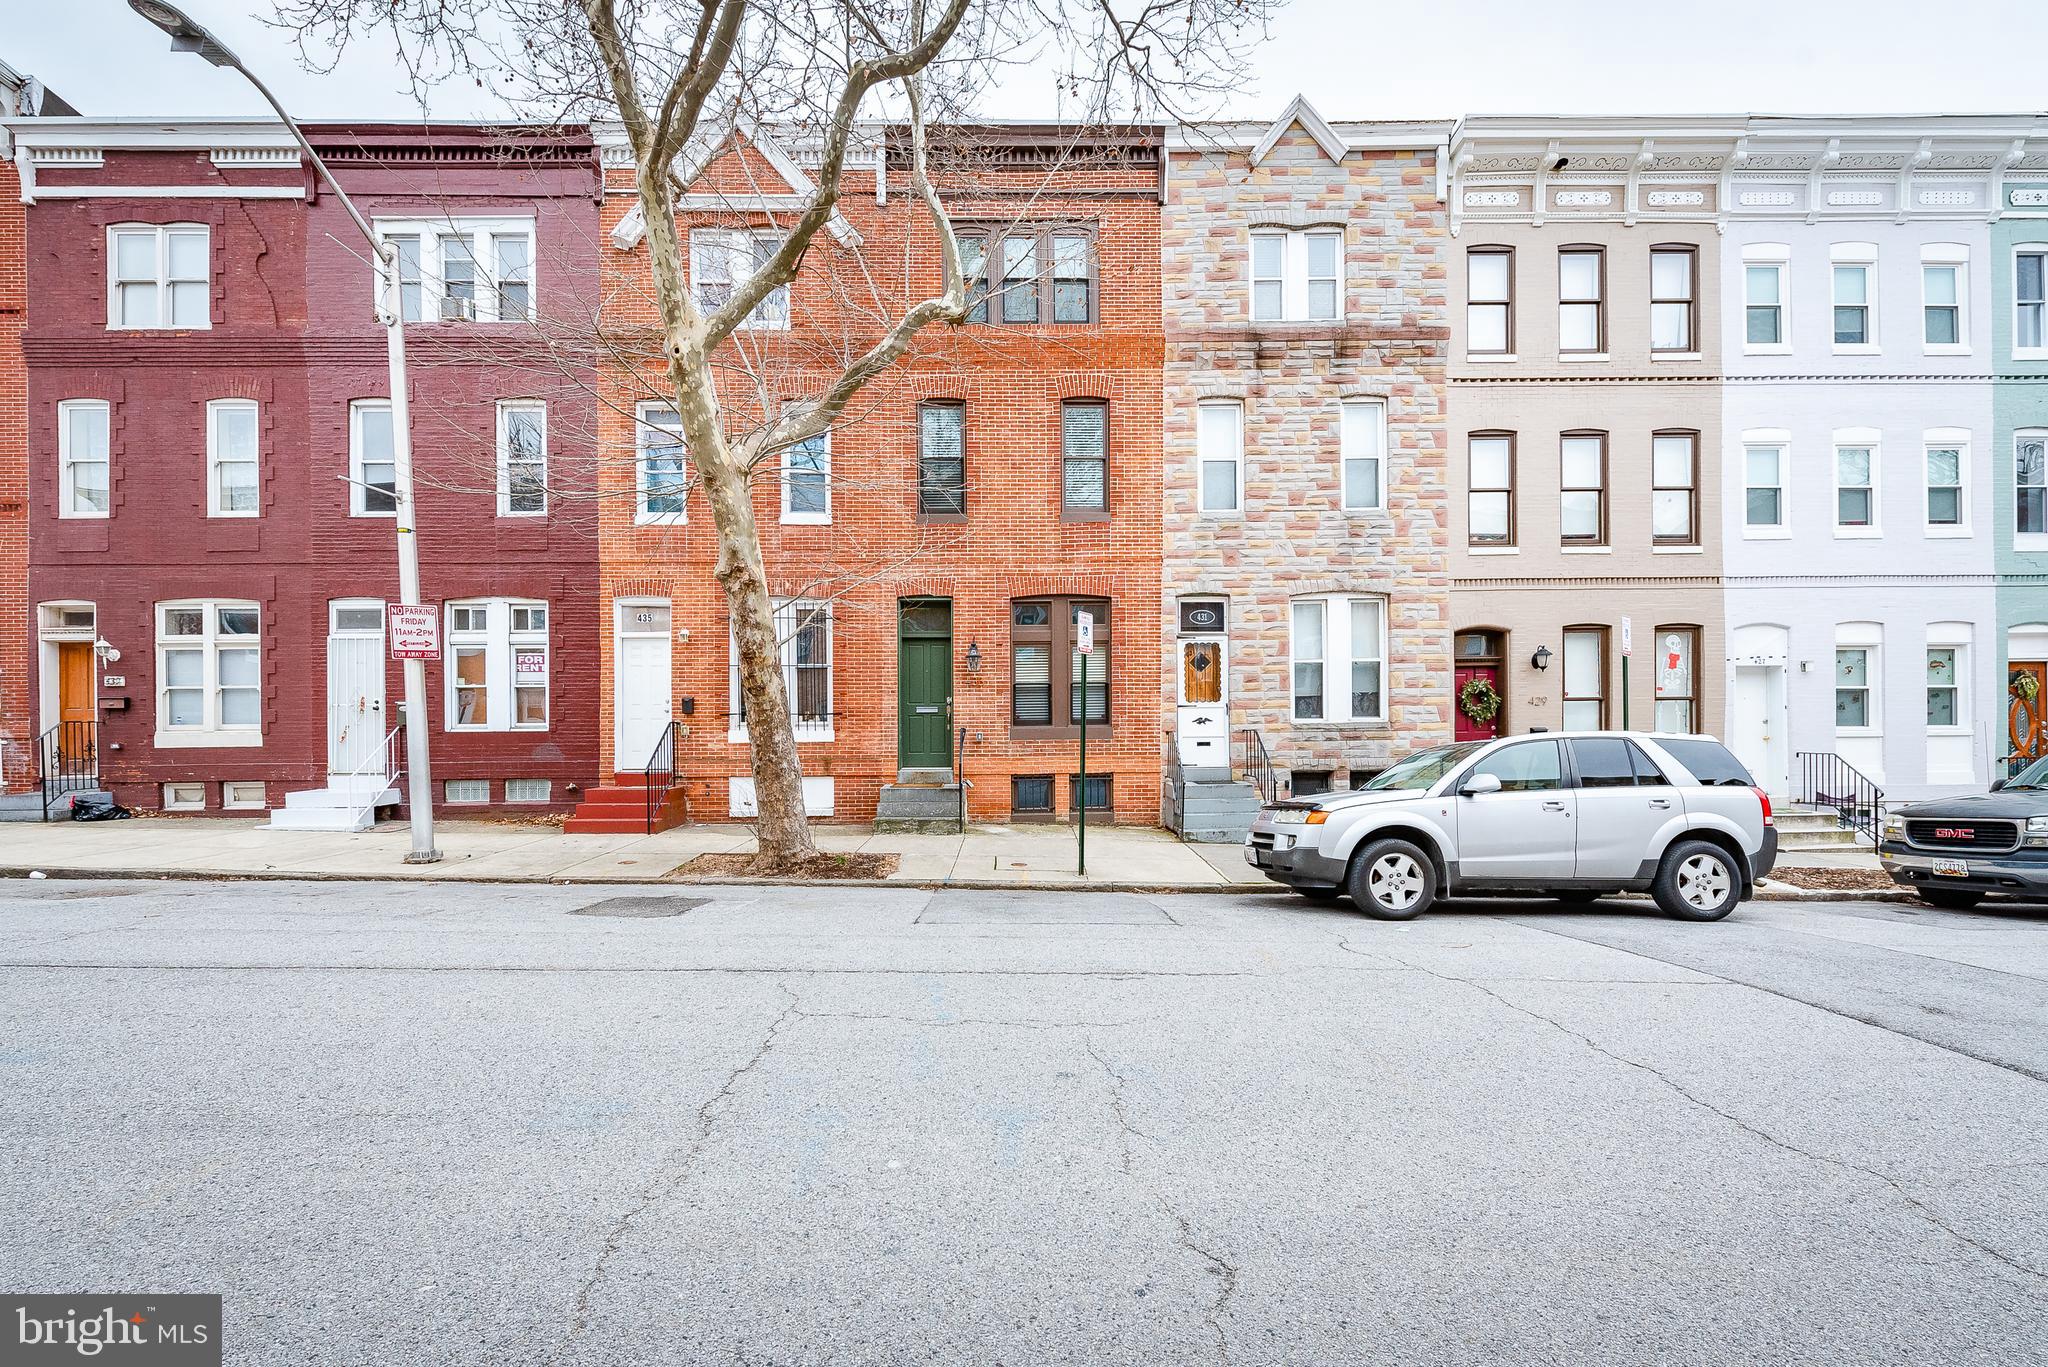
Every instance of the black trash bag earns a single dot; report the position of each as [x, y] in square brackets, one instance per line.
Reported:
[98, 807]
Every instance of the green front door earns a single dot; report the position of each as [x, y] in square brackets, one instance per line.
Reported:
[924, 685]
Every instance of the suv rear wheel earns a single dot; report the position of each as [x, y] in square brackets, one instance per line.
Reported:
[1697, 881]
[1392, 880]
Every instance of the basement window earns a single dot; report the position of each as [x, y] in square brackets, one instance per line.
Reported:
[467, 790]
[528, 790]
[184, 797]
[243, 795]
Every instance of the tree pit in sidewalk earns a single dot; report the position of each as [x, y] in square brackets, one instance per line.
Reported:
[821, 866]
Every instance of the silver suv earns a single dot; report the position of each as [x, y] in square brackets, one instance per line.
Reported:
[1569, 815]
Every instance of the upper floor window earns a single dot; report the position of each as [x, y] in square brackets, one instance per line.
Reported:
[1946, 507]
[1674, 488]
[2030, 476]
[1297, 275]
[231, 458]
[84, 462]
[1764, 486]
[722, 260]
[1030, 276]
[1490, 489]
[372, 460]
[1084, 458]
[1582, 461]
[2030, 297]
[807, 480]
[161, 276]
[1764, 268]
[1674, 293]
[497, 665]
[942, 459]
[1363, 438]
[463, 270]
[1855, 488]
[208, 668]
[1046, 686]
[1219, 443]
[1338, 650]
[1490, 301]
[522, 458]
[1854, 274]
[1943, 285]
[661, 468]
[1581, 300]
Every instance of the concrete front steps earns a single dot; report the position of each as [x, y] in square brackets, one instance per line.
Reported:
[1813, 830]
[919, 800]
[620, 808]
[1214, 808]
[347, 803]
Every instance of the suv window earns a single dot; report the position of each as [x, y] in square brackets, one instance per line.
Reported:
[1648, 775]
[1611, 762]
[1709, 762]
[1532, 766]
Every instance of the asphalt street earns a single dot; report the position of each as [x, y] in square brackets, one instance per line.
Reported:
[403, 1124]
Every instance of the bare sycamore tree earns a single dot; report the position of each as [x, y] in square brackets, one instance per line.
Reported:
[673, 73]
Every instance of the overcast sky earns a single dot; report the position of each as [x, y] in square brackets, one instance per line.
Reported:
[1352, 58]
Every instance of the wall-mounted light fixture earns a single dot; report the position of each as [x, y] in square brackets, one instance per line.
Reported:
[1541, 659]
[974, 657]
[105, 651]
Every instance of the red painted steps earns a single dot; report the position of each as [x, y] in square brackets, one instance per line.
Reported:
[620, 808]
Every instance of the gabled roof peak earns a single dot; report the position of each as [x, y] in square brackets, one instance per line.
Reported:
[1300, 111]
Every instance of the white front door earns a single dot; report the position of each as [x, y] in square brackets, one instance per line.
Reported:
[640, 683]
[1202, 733]
[355, 684]
[1759, 726]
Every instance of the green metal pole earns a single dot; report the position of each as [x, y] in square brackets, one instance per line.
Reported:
[1082, 797]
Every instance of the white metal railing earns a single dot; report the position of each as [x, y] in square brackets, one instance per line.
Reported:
[387, 762]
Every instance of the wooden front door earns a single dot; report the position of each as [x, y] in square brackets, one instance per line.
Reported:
[924, 685]
[75, 698]
[2024, 729]
[1466, 728]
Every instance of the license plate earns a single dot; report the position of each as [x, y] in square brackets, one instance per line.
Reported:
[1952, 868]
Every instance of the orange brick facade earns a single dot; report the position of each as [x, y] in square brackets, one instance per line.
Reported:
[1013, 541]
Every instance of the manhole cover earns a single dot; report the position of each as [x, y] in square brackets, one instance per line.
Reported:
[641, 908]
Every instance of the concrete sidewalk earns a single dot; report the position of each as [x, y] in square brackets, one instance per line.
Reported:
[1004, 856]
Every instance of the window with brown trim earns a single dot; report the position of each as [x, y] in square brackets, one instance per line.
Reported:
[1031, 795]
[1490, 489]
[1675, 664]
[1581, 300]
[1030, 275]
[942, 458]
[1084, 460]
[1582, 486]
[1489, 301]
[1674, 488]
[1674, 298]
[1100, 789]
[1585, 678]
[1045, 669]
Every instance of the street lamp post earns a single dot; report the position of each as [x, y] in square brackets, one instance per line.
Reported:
[187, 36]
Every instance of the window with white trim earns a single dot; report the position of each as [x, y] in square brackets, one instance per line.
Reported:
[1763, 494]
[2030, 477]
[1362, 438]
[1856, 466]
[462, 270]
[231, 473]
[661, 469]
[84, 461]
[1855, 687]
[724, 259]
[372, 460]
[1219, 452]
[209, 672]
[1944, 686]
[159, 276]
[1947, 510]
[2030, 298]
[803, 636]
[1944, 285]
[1297, 275]
[1338, 652]
[522, 458]
[807, 480]
[1764, 296]
[1854, 273]
[497, 665]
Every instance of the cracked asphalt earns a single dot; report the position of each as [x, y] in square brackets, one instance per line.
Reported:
[397, 1123]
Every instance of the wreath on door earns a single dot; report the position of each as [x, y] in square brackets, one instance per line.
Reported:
[1479, 700]
[2024, 686]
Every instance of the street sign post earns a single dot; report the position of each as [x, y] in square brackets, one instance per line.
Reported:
[1628, 648]
[415, 630]
[1084, 644]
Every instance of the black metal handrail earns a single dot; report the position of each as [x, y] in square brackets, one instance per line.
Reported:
[67, 760]
[660, 765]
[1249, 758]
[960, 776]
[1828, 780]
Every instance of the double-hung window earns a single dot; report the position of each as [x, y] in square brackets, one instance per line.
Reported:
[2030, 476]
[1854, 670]
[1490, 301]
[1030, 276]
[1582, 462]
[1084, 458]
[1764, 286]
[1490, 489]
[1944, 283]
[1944, 664]
[522, 458]
[1362, 439]
[722, 260]
[159, 276]
[497, 665]
[1674, 292]
[1297, 275]
[1046, 689]
[1763, 493]
[1854, 275]
[1581, 303]
[807, 480]
[661, 472]
[231, 465]
[1674, 488]
[1678, 679]
[372, 461]
[942, 459]
[1585, 678]
[84, 460]
[1947, 509]
[1856, 467]
[209, 673]
[462, 270]
[1219, 452]
[1338, 652]
[2030, 299]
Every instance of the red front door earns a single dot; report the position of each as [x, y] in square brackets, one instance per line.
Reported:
[1466, 728]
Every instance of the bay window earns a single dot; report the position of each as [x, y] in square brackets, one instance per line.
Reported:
[461, 270]
[209, 673]
[497, 665]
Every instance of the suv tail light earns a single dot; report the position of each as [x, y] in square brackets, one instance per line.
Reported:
[1765, 799]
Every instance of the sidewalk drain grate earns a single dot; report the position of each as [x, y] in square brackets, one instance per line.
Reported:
[641, 908]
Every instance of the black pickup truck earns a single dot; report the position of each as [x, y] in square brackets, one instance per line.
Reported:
[1953, 850]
